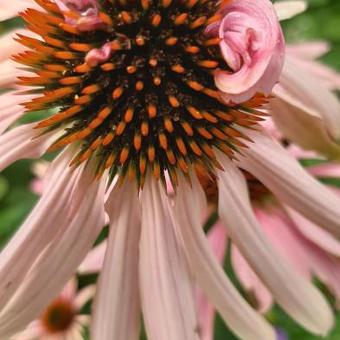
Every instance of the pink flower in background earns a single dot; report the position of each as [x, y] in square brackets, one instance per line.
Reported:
[253, 47]
[62, 319]
[312, 251]
[127, 122]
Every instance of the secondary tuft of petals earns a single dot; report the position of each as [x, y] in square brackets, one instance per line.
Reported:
[253, 46]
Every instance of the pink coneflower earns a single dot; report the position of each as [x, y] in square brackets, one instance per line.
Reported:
[62, 319]
[133, 100]
[312, 251]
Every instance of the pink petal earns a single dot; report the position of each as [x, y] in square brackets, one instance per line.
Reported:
[328, 169]
[268, 161]
[11, 46]
[8, 73]
[308, 50]
[298, 297]
[10, 108]
[238, 315]
[70, 289]
[217, 238]
[84, 296]
[315, 234]
[32, 332]
[51, 271]
[298, 90]
[279, 230]
[22, 142]
[116, 310]
[10, 9]
[57, 205]
[288, 9]
[308, 131]
[250, 281]
[252, 45]
[166, 291]
[93, 262]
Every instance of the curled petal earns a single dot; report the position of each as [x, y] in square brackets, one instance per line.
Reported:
[85, 14]
[252, 45]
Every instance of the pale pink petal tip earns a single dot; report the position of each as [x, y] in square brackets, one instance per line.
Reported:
[288, 9]
[253, 47]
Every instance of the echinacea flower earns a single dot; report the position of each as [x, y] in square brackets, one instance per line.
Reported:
[132, 99]
[312, 251]
[62, 319]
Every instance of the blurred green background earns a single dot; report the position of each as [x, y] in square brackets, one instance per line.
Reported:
[320, 21]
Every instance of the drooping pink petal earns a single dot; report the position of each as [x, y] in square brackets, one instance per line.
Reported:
[327, 169]
[51, 271]
[238, 315]
[308, 131]
[22, 142]
[252, 44]
[10, 9]
[84, 296]
[288, 9]
[31, 332]
[166, 290]
[315, 234]
[308, 50]
[116, 310]
[94, 260]
[278, 229]
[304, 54]
[10, 46]
[61, 199]
[250, 281]
[10, 108]
[70, 289]
[217, 238]
[304, 255]
[8, 73]
[311, 120]
[298, 297]
[268, 161]
[327, 269]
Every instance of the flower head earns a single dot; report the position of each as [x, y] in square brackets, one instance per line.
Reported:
[136, 93]
[134, 101]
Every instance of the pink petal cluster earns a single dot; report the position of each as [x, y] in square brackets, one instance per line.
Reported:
[252, 45]
[310, 250]
[87, 11]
